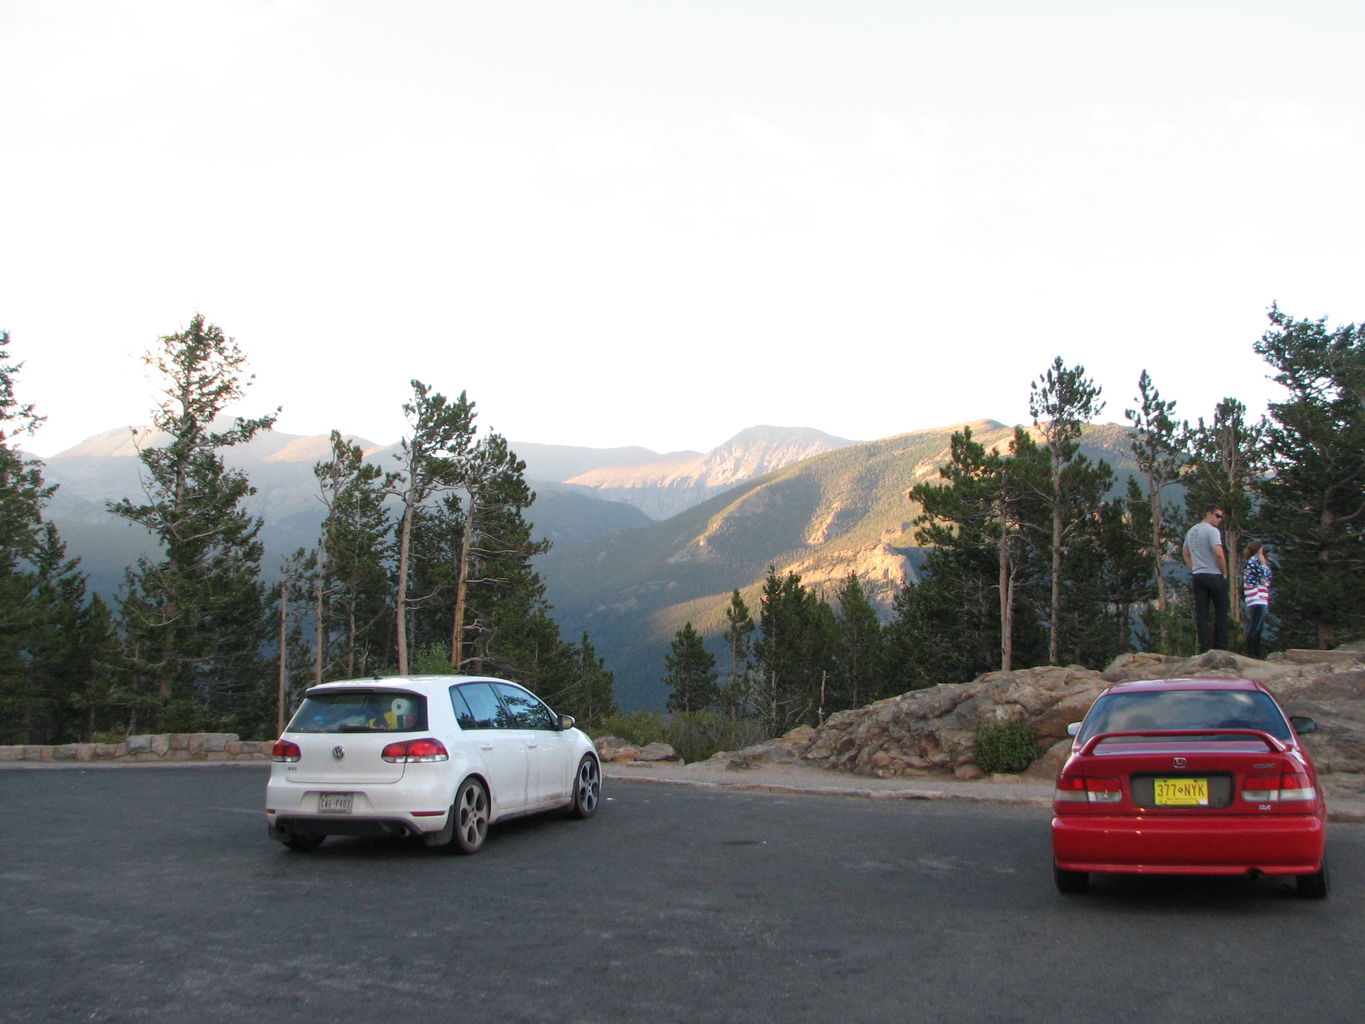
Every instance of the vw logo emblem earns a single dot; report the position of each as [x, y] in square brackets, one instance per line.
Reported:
[1176, 762]
[338, 752]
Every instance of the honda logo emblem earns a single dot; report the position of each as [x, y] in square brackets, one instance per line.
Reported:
[1176, 762]
[338, 752]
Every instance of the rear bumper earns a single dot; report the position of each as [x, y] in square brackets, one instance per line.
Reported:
[1279, 845]
[282, 827]
[413, 807]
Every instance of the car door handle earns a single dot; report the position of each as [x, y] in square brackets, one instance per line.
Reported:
[485, 746]
[531, 746]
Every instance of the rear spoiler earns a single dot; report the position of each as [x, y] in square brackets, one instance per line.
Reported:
[1274, 745]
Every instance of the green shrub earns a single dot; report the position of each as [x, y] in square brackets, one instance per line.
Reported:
[696, 735]
[433, 660]
[639, 727]
[1005, 747]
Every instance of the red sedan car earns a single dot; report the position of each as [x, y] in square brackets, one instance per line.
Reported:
[1189, 777]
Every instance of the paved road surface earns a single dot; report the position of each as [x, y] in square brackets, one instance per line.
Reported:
[142, 894]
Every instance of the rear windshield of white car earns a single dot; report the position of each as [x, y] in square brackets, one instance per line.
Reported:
[361, 711]
[1185, 709]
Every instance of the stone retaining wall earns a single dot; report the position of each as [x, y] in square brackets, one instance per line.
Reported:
[163, 749]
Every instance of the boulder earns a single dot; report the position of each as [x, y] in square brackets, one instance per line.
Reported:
[657, 752]
[933, 731]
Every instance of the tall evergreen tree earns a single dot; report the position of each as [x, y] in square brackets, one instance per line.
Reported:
[858, 660]
[68, 643]
[1061, 401]
[988, 508]
[1314, 504]
[691, 677]
[352, 601]
[1225, 460]
[429, 460]
[1159, 454]
[194, 617]
[792, 655]
[23, 496]
[495, 547]
[293, 606]
[736, 696]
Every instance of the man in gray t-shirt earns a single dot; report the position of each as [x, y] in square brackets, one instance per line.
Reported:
[1208, 561]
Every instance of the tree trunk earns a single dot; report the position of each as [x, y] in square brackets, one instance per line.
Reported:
[461, 587]
[319, 626]
[284, 659]
[1054, 627]
[400, 602]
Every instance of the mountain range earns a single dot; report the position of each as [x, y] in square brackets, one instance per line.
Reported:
[642, 542]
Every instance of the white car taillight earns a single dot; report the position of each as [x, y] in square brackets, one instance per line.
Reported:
[415, 751]
[285, 752]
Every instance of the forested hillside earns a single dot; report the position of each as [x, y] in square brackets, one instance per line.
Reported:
[846, 511]
[225, 567]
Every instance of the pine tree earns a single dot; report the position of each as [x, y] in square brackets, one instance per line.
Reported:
[1061, 401]
[52, 635]
[858, 660]
[429, 461]
[1225, 461]
[796, 635]
[989, 509]
[495, 549]
[1314, 504]
[194, 619]
[1160, 458]
[691, 677]
[736, 696]
[352, 613]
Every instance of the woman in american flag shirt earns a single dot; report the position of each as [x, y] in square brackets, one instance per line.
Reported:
[1256, 594]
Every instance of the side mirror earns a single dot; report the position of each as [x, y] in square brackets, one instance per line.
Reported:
[1073, 728]
[565, 723]
[1303, 724]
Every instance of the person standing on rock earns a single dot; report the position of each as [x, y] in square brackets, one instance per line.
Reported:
[1256, 594]
[1207, 559]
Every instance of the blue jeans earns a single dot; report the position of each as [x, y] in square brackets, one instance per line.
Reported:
[1256, 614]
[1211, 589]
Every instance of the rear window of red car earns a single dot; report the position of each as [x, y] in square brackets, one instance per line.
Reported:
[1147, 710]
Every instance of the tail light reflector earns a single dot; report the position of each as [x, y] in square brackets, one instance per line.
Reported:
[1087, 789]
[415, 751]
[1268, 789]
[286, 752]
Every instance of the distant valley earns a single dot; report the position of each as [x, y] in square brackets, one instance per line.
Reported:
[642, 541]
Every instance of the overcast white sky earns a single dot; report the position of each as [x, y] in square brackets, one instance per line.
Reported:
[651, 223]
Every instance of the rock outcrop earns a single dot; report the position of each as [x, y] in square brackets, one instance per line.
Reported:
[613, 748]
[933, 731]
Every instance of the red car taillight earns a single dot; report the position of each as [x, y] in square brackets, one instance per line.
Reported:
[1085, 789]
[1288, 786]
[414, 751]
[285, 752]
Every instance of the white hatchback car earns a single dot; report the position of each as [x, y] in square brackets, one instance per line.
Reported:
[438, 757]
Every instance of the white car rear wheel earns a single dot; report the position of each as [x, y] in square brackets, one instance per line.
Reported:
[470, 812]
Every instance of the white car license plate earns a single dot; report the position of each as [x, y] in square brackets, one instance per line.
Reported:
[336, 803]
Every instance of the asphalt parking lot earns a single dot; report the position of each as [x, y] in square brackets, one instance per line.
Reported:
[134, 893]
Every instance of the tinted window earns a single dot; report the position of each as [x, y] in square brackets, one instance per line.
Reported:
[477, 707]
[1185, 709]
[527, 711]
[360, 711]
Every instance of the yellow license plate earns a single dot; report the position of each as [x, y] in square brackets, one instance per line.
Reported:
[1182, 792]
